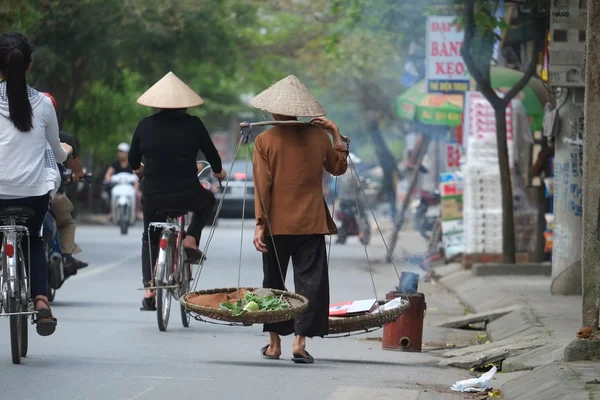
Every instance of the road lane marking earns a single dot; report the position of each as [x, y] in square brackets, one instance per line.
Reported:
[171, 377]
[104, 268]
[141, 394]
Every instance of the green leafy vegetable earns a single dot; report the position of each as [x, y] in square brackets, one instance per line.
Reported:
[253, 303]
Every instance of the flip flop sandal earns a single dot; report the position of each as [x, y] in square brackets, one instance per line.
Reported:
[45, 322]
[194, 255]
[264, 354]
[148, 304]
[298, 359]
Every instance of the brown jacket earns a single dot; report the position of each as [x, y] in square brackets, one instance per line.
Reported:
[288, 179]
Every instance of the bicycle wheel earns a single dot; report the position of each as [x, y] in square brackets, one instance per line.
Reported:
[15, 330]
[24, 319]
[24, 335]
[51, 294]
[164, 277]
[124, 225]
[185, 277]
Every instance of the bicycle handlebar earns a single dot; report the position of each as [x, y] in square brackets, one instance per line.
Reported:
[208, 167]
[67, 177]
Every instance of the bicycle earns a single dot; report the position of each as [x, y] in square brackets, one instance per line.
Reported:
[16, 302]
[169, 279]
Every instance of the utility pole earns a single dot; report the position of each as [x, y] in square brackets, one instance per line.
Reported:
[566, 257]
[591, 173]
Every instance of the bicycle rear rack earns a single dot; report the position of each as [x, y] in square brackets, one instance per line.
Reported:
[160, 287]
[164, 225]
[19, 313]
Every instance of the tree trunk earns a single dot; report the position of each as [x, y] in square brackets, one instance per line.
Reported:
[508, 218]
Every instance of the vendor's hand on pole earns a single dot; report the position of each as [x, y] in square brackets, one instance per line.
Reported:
[259, 239]
[330, 127]
[221, 175]
[326, 124]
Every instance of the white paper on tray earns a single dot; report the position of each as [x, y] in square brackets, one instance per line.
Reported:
[361, 306]
[397, 302]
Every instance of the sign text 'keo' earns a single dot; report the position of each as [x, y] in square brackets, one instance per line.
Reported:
[446, 69]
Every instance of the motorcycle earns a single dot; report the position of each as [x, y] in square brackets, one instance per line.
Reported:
[124, 200]
[56, 272]
[351, 225]
[426, 210]
[54, 256]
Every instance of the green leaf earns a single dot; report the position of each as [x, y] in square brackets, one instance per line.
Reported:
[237, 311]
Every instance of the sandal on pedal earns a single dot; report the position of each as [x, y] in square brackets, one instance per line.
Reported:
[194, 255]
[148, 304]
[45, 321]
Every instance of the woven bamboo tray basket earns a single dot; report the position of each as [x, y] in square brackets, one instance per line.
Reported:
[338, 325]
[296, 303]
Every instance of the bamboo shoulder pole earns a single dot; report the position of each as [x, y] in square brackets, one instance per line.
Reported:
[243, 125]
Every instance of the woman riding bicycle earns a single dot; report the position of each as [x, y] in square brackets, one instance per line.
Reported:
[169, 141]
[27, 122]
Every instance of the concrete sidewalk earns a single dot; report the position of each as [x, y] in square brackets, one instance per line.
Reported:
[531, 337]
[441, 305]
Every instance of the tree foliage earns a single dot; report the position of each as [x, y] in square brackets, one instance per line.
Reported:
[97, 56]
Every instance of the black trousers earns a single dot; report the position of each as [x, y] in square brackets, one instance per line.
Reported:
[311, 280]
[39, 265]
[200, 202]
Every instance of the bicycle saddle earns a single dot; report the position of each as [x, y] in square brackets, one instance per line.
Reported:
[16, 211]
[172, 213]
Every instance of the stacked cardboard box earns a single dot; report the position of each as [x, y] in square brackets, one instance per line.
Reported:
[451, 204]
[483, 214]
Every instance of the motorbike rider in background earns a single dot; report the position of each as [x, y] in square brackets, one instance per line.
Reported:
[121, 164]
[62, 207]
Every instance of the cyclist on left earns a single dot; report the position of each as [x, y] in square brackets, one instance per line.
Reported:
[27, 122]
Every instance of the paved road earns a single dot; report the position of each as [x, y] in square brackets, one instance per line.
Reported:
[105, 348]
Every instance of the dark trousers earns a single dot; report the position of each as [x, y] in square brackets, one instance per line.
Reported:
[200, 202]
[38, 262]
[311, 280]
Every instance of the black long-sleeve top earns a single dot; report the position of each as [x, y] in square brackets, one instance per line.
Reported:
[169, 142]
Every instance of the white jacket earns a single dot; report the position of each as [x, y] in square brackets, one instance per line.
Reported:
[22, 165]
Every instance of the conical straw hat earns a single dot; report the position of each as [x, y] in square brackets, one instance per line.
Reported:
[170, 92]
[288, 97]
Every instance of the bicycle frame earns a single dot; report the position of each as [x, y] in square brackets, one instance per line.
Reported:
[12, 233]
[169, 228]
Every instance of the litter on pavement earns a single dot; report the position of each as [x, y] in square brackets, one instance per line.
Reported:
[480, 384]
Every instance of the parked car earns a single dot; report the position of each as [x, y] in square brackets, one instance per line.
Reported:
[240, 185]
